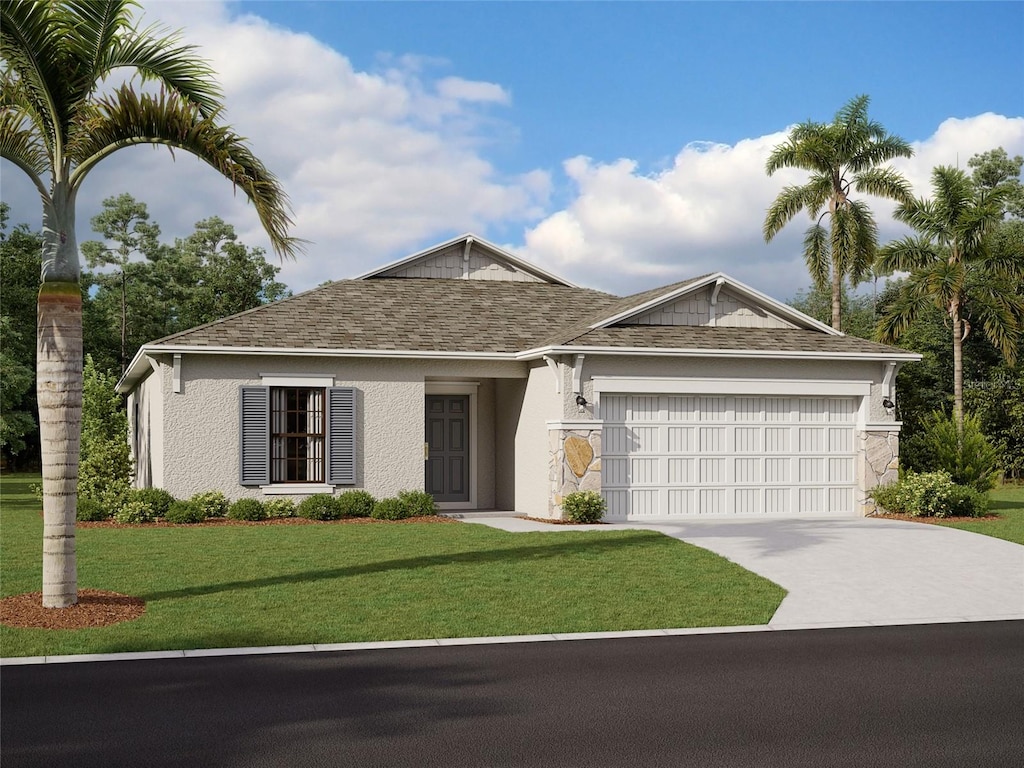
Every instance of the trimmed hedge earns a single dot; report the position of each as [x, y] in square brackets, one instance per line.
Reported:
[185, 513]
[212, 503]
[320, 506]
[90, 510]
[356, 503]
[930, 494]
[279, 508]
[157, 498]
[390, 509]
[417, 503]
[584, 506]
[247, 509]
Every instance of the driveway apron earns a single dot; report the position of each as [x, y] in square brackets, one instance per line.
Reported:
[853, 571]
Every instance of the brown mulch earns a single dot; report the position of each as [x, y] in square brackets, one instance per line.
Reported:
[223, 521]
[95, 608]
[553, 521]
[937, 520]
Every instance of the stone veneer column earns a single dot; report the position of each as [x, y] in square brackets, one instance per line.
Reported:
[574, 465]
[881, 452]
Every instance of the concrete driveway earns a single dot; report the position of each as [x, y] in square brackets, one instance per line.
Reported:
[856, 571]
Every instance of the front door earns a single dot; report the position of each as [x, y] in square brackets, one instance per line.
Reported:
[447, 437]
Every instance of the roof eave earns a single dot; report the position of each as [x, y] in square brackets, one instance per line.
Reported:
[539, 352]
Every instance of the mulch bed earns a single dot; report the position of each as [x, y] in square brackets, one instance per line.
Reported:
[223, 521]
[938, 520]
[551, 521]
[95, 608]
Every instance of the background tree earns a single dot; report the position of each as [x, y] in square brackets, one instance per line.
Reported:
[996, 168]
[858, 316]
[124, 225]
[841, 156]
[953, 268]
[56, 125]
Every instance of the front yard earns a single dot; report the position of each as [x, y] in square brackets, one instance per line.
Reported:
[1008, 503]
[256, 585]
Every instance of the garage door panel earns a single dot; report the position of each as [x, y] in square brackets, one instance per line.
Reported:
[668, 455]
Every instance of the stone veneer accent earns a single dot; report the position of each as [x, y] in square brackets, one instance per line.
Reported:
[881, 451]
[575, 464]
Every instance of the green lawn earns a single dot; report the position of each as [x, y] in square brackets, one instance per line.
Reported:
[1008, 503]
[274, 585]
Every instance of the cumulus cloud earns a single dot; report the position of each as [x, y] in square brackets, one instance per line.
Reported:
[626, 230]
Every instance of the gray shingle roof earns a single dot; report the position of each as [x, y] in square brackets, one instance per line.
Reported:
[406, 314]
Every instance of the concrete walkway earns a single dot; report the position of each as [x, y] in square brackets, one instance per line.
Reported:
[854, 571]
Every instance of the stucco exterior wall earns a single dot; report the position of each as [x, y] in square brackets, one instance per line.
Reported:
[145, 428]
[202, 421]
[508, 405]
[540, 405]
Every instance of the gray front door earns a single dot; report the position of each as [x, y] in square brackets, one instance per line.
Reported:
[447, 436]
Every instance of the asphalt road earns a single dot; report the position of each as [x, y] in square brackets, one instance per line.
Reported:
[935, 695]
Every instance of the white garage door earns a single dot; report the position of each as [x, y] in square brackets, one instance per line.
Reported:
[672, 455]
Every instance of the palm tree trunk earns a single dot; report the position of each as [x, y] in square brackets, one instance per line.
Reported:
[958, 366]
[59, 393]
[837, 297]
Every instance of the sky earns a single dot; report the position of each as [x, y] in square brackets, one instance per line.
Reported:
[619, 145]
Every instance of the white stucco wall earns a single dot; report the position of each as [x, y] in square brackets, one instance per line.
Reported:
[541, 403]
[508, 405]
[201, 423]
[145, 428]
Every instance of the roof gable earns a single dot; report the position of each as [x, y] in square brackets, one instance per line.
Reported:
[690, 303]
[466, 258]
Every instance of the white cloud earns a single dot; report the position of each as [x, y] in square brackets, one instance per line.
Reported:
[625, 230]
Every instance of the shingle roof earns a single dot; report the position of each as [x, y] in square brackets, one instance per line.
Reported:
[704, 337]
[414, 314]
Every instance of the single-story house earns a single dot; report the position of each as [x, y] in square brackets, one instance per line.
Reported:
[494, 384]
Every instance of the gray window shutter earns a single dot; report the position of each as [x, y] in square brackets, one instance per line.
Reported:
[341, 436]
[254, 435]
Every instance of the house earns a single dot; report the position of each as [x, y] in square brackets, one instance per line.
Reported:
[495, 384]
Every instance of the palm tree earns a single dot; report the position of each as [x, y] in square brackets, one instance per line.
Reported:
[952, 267]
[57, 125]
[841, 156]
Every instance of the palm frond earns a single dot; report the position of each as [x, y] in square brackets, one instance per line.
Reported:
[126, 118]
[789, 202]
[818, 256]
[880, 149]
[1001, 316]
[883, 182]
[22, 146]
[911, 301]
[907, 254]
[865, 248]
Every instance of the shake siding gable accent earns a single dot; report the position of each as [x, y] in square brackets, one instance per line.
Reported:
[341, 436]
[254, 435]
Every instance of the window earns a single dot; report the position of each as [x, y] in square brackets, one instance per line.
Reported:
[296, 434]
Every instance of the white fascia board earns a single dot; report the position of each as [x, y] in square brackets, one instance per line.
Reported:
[773, 307]
[515, 261]
[673, 385]
[772, 354]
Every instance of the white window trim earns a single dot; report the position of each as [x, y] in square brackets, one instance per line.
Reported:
[292, 380]
[286, 489]
[470, 388]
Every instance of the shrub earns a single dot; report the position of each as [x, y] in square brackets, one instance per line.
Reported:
[159, 499]
[212, 503]
[969, 459]
[417, 503]
[184, 513]
[930, 494]
[583, 506]
[356, 503]
[320, 506]
[134, 511]
[389, 509]
[91, 510]
[105, 464]
[279, 508]
[247, 509]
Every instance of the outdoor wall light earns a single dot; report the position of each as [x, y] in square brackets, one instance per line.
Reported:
[581, 402]
[888, 404]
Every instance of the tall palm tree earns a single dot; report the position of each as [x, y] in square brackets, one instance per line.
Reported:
[57, 125]
[952, 267]
[841, 156]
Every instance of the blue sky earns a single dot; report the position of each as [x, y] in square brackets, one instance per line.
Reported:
[619, 144]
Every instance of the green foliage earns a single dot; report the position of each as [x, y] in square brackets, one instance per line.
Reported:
[185, 513]
[969, 459]
[320, 506]
[418, 503]
[584, 506]
[281, 507]
[105, 465]
[157, 498]
[996, 168]
[389, 509]
[212, 503]
[91, 510]
[356, 503]
[135, 511]
[841, 156]
[999, 405]
[858, 316]
[16, 420]
[930, 494]
[247, 509]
